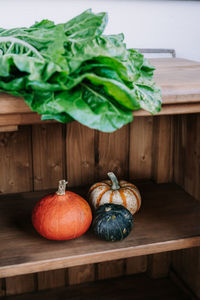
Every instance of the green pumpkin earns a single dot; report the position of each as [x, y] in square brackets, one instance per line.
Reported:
[112, 222]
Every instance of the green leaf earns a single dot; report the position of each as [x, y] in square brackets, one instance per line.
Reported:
[88, 106]
[85, 26]
[72, 71]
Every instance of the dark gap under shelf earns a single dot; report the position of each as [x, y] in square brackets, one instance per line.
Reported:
[137, 287]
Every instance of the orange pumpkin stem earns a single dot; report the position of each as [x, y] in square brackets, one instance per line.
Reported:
[113, 178]
[61, 187]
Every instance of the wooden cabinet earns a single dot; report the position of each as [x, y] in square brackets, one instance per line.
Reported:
[161, 154]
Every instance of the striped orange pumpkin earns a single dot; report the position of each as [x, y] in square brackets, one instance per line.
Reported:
[112, 191]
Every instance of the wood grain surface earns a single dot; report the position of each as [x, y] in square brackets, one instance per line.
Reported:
[159, 226]
[159, 265]
[48, 168]
[138, 287]
[140, 166]
[51, 279]
[187, 173]
[20, 284]
[16, 176]
[141, 148]
[113, 156]
[81, 274]
[15, 160]
[80, 166]
[163, 149]
[48, 156]
[111, 269]
[135, 265]
[8, 128]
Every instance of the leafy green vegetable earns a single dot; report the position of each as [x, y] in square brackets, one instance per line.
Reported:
[72, 71]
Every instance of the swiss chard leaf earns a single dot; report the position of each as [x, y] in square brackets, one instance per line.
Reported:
[72, 71]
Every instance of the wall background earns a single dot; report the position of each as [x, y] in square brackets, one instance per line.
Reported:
[146, 24]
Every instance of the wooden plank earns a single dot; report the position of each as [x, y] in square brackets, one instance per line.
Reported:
[20, 284]
[48, 169]
[48, 156]
[135, 265]
[179, 149]
[15, 161]
[165, 62]
[81, 274]
[160, 226]
[8, 128]
[80, 165]
[111, 269]
[34, 118]
[186, 262]
[140, 157]
[51, 279]
[163, 143]
[113, 154]
[80, 155]
[138, 287]
[187, 174]
[16, 176]
[179, 85]
[173, 109]
[192, 154]
[163, 149]
[12, 104]
[159, 264]
[113, 151]
[140, 164]
[22, 119]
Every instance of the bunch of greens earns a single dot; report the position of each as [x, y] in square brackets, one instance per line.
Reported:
[72, 71]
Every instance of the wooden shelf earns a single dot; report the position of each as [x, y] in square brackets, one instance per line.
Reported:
[168, 220]
[178, 78]
[138, 287]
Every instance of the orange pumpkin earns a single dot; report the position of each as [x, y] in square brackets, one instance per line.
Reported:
[62, 215]
[111, 191]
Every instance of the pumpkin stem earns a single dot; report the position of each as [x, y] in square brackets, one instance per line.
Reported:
[113, 178]
[61, 187]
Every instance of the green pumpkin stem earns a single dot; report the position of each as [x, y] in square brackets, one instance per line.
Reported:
[61, 187]
[113, 178]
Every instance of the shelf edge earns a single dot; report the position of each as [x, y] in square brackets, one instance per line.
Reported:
[59, 263]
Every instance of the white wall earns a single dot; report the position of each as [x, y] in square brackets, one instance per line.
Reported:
[146, 24]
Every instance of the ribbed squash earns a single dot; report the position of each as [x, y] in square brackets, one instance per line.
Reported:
[111, 191]
[112, 222]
